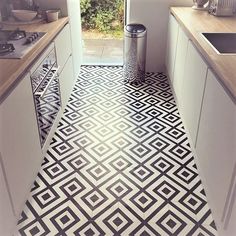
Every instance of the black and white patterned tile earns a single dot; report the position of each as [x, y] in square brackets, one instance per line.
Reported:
[119, 164]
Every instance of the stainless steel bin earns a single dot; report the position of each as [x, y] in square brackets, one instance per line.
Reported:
[135, 42]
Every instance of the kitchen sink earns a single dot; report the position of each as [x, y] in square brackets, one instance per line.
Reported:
[223, 43]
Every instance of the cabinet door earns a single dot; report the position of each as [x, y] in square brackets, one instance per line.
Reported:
[63, 46]
[229, 227]
[19, 142]
[66, 79]
[7, 218]
[76, 34]
[173, 29]
[181, 51]
[216, 144]
[192, 90]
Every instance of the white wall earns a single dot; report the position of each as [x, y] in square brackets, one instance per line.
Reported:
[154, 15]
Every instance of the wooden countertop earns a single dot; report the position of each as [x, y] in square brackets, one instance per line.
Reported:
[12, 69]
[193, 23]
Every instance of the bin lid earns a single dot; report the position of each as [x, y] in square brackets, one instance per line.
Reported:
[137, 30]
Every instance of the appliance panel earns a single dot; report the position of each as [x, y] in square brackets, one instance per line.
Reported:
[22, 43]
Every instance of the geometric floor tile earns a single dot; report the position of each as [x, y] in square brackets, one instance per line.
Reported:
[171, 223]
[119, 164]
[118, 221]
[143, 200]
[119, 189]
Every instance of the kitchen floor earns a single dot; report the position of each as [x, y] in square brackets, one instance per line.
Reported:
[119, 164]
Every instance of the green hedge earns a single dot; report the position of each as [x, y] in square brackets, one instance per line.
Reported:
[104, 15]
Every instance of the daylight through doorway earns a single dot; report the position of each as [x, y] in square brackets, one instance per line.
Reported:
[102, 31]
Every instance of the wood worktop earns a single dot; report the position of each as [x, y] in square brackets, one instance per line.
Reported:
[11, 70]
[193, 22]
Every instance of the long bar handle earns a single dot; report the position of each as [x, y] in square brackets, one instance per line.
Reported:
[54, 70]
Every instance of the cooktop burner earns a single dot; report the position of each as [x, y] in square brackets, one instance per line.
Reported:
[16, 43]
[17, 34]
[6, 35]
[6, 48]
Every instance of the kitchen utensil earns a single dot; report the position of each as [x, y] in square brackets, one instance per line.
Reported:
[24, 15]
[221, 7]
[200, 4]
[52, 15]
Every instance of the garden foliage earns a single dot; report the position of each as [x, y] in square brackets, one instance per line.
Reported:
[104, 15]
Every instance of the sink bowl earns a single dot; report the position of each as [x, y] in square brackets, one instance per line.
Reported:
[223, 43]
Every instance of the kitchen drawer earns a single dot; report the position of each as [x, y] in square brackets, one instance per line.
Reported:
[63, 46]
[172, 38]
[66, 79]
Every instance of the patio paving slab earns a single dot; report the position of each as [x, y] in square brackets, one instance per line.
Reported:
[102, 51]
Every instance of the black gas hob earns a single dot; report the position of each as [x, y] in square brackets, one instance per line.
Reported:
[14, 44]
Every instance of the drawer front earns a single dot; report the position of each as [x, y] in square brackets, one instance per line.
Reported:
[63, 46]
[66, 82]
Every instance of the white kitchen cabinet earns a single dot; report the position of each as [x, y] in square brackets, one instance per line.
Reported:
[69, 8]
[7, 218]
[192, 90]
[179, 68]
[65, 62]
[63, 46]
[19, 142]
[216, 150]
[76, 34]
[229, 228]
[66, 81]
[173, 29]
[209, 116]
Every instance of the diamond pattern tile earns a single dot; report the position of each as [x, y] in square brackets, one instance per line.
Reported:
[119, 164]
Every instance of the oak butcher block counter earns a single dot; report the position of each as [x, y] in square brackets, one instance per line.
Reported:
[194, 23]
[12, 69]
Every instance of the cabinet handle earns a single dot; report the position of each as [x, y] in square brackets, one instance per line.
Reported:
[54, 72]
